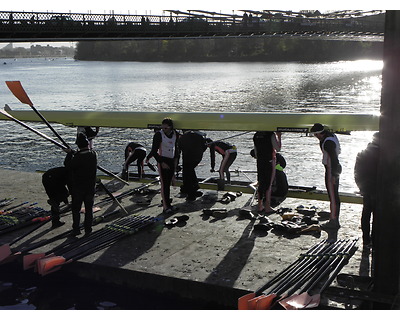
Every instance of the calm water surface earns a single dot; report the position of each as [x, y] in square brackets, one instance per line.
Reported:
[65, 84]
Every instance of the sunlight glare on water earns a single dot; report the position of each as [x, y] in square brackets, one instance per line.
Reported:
[65, 84]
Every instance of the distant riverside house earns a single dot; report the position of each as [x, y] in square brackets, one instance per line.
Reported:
[12, 51]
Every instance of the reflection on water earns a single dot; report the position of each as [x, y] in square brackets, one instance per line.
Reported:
[65, 84]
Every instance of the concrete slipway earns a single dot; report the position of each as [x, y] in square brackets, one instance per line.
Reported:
[212, 258]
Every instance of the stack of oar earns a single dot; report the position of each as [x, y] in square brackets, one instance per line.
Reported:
[8, 254]
[12, 218]
[52, 260]
[290, 288]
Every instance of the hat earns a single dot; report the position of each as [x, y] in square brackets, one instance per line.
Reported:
[317, 128]
[81, 141]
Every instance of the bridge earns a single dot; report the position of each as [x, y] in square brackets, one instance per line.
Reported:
[49, 26]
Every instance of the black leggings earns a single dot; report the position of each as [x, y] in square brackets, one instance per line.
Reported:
[166, 176]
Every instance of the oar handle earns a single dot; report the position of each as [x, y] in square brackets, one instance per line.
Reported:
[344, 257]
[282, 275]
[331, 261]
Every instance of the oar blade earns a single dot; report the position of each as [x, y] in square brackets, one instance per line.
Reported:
[5, 252]
[28, 261]
[265, 302]
[243, 302]
[285, 302]
[314, 302]
[298, 301]
[50, 264]
[252, 303]
[19, 92]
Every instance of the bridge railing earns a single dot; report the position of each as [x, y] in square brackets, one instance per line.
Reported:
[79, 25]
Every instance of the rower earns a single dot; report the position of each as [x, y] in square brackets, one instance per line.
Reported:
[229, 153]
[134, 151]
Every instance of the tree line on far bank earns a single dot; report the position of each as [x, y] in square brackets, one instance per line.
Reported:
[228, 49]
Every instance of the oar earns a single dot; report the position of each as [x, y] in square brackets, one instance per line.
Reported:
[291, 300]
[304, 300]
[14, 207]
[19, 92]
[294, 280]
[5, 113]
[29, 260]
[243, 302]
[6, 201]
[113, 197]
[5, 250]
[88, 246]
[246, 210]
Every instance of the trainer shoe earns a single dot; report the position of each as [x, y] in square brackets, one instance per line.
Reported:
[75, 233]
[191, 198]
[56, 224]
[331, 225]
[168, 211]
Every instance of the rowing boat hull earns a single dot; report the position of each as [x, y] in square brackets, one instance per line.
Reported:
[224, 121]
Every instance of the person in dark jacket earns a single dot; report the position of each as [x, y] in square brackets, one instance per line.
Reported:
[330, 148]
[266, 144]
[55, 182]
[229, 153]
[166, 152]
[134, 152]
[82, 168]
[365, 176]
[192, 144]
[280, 186]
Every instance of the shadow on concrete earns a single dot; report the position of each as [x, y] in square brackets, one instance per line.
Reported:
[231, 266]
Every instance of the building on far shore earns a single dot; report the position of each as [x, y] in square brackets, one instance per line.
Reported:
[35, 50]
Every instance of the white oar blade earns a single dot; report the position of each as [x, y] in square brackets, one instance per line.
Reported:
[300, 301]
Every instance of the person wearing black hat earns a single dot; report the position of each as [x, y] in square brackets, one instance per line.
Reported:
[365, 176]
[330, 148]
[82, 168]
[192, 144]
[89, 132]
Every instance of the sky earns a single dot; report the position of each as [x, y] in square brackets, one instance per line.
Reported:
[156, 6]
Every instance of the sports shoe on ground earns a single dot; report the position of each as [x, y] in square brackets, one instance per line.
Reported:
[56, 224]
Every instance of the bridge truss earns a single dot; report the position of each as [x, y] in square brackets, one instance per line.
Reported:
[49, 26]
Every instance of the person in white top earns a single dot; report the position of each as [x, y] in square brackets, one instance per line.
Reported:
[165, 150]
[330, 148]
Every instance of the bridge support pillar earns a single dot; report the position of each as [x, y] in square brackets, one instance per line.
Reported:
[387, 229]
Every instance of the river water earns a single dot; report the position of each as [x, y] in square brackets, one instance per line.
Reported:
[66, 84]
